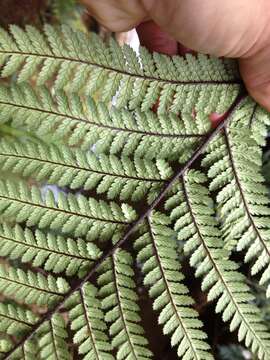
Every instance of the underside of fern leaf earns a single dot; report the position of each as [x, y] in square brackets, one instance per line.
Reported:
[109, 167]
[87, 64]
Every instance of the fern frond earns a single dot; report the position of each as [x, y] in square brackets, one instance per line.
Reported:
[87, 322]
[192, 210]
[53, 339]
[258, 123]
[161, 266]
[121, 309]
[29, 350]
[198, 338]
[30, 287]
[51, 252]
[73, 214]
[124, 154]
[61, 165]
[15, 320]
[77, 61]
[88, 124]
[235, 161]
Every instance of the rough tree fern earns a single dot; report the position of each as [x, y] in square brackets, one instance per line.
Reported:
[111, 172]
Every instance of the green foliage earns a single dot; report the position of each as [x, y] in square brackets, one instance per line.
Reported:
[55, 164]
[163, 275]
[235, 161]
[84, 123]
[83, 63]
[70, 214]
[46, 250]
[15, 320]
[117, 289]
[199, 229]
[87, 322]
[31, 288]
[52, 342]
[28, 351]
[86, 163]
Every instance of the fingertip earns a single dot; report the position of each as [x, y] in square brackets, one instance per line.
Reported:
[155, 40]
[183, 50]
[261, 95]
[256, 76]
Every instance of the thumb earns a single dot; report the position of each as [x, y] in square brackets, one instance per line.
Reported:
[255, 71]
[156, 40]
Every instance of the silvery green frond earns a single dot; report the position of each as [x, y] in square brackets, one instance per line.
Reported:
[118, 177]
[235, 161]
[87, 322]
[53, 339]
[72, 119]
[157, 253]
[30, 287]
[192, 211]
[73, 214]
[120, 303]
[15, 319]
[79, 62]
[29, 350]
[47, 250]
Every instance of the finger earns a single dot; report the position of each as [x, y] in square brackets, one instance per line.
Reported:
[256, 75]
[154, 39]
[183, 50]
[221, 28]
[116, 15]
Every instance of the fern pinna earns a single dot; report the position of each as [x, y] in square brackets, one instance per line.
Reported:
[96, 188]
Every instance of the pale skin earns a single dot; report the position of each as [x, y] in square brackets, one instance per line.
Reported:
[231, 28]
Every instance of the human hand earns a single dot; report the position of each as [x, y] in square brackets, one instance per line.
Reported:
[232, 28]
